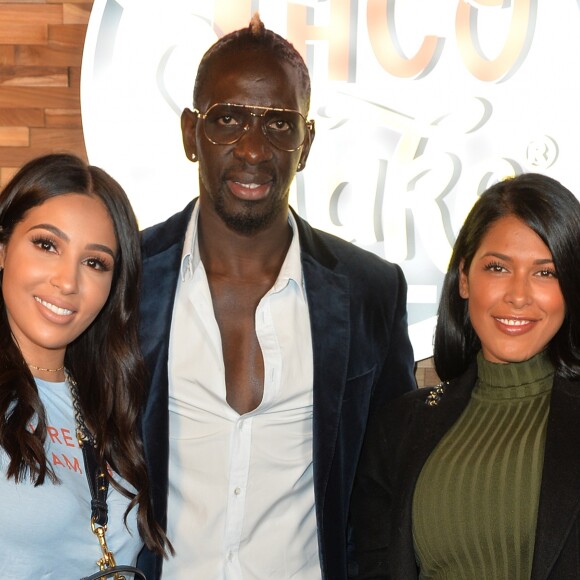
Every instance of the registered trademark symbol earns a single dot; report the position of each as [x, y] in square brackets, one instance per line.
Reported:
[542, 152]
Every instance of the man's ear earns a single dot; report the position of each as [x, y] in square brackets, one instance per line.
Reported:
[310, 133]
[188, 127]
[2, 255]
[463, 281]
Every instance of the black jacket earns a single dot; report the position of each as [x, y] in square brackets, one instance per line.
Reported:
[361, 352]
[400, 441]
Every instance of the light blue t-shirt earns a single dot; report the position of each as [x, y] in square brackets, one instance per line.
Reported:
[45, 531]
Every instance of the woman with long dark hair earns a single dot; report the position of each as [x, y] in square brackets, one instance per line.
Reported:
[479, 477]
[69, 362]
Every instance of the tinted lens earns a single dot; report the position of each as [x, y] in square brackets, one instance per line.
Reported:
[285, 129]
[225, 124]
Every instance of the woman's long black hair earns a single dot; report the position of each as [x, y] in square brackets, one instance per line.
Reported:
[105, 359]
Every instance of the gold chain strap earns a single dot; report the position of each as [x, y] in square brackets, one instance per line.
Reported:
[108, 560]
[84, 437]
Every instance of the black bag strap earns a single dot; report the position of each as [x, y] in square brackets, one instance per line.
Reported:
[96, 476]
[98, 483]
[99, 488]
[109, 572]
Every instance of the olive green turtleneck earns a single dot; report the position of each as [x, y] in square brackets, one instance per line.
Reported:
[476, 501]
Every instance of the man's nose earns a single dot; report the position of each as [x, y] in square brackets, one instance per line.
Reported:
[253, 146]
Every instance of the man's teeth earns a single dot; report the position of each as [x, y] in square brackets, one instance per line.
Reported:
[512, 322]
[53, 308]
[249, 185]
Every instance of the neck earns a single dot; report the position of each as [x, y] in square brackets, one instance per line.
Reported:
[46, 368]
[223, 249]
[52, 374]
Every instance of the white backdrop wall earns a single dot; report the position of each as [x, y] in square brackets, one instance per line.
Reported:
[419, 106]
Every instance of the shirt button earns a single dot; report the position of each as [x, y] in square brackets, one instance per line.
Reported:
[237, 491]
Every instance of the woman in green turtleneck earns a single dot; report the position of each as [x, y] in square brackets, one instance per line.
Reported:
[479, 477]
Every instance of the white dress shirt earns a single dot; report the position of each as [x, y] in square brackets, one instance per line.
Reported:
[241, 494]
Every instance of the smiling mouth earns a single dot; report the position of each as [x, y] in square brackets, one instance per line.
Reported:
[53, 308]
[514, 322]
[248, 185]
[250, 191]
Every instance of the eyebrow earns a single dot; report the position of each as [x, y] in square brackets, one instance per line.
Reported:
[60, 234]
[510, 259]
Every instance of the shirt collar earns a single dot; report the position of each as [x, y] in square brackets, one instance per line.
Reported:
[291, 268]
[190, 258]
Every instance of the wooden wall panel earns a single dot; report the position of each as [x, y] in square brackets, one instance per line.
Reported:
[15, 136]
[22, 117]
[6, 55]
[27, 24]
[76, 13]
[33, 76]
[41, 44]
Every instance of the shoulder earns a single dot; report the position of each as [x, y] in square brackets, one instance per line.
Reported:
[412, 401]
[396, 423]
[342, 256]
[432, 401]
[569, 387]
[161, 236]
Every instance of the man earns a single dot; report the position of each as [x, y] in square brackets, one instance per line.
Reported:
[269, 342]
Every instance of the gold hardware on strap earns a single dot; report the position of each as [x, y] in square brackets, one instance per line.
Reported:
[108, 560]
[101, 481]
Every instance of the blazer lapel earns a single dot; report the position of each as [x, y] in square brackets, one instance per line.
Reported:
[560, 489]
[159, 286]
[328, 295]
[328, 303]
[162, 249]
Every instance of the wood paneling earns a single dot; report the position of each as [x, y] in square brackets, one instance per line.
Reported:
[33, 76]
[425, 373]
[41, 45]
[28, 24]
[76, 13]
[22, 117]
[14, 137]
[63, 118]
[6, 55]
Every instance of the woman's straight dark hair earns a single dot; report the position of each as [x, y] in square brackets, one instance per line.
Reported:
[552, 212]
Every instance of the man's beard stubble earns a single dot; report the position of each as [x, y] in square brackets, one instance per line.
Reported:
[248, 221]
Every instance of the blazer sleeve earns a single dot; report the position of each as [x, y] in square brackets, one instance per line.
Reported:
[371, 505]
[397, 372]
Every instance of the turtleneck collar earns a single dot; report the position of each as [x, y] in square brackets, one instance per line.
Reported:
[514, 380]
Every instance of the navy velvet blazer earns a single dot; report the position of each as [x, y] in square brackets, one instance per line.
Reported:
[361, 352]
[399, 442]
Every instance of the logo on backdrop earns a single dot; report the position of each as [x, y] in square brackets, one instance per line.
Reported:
[419, 106]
